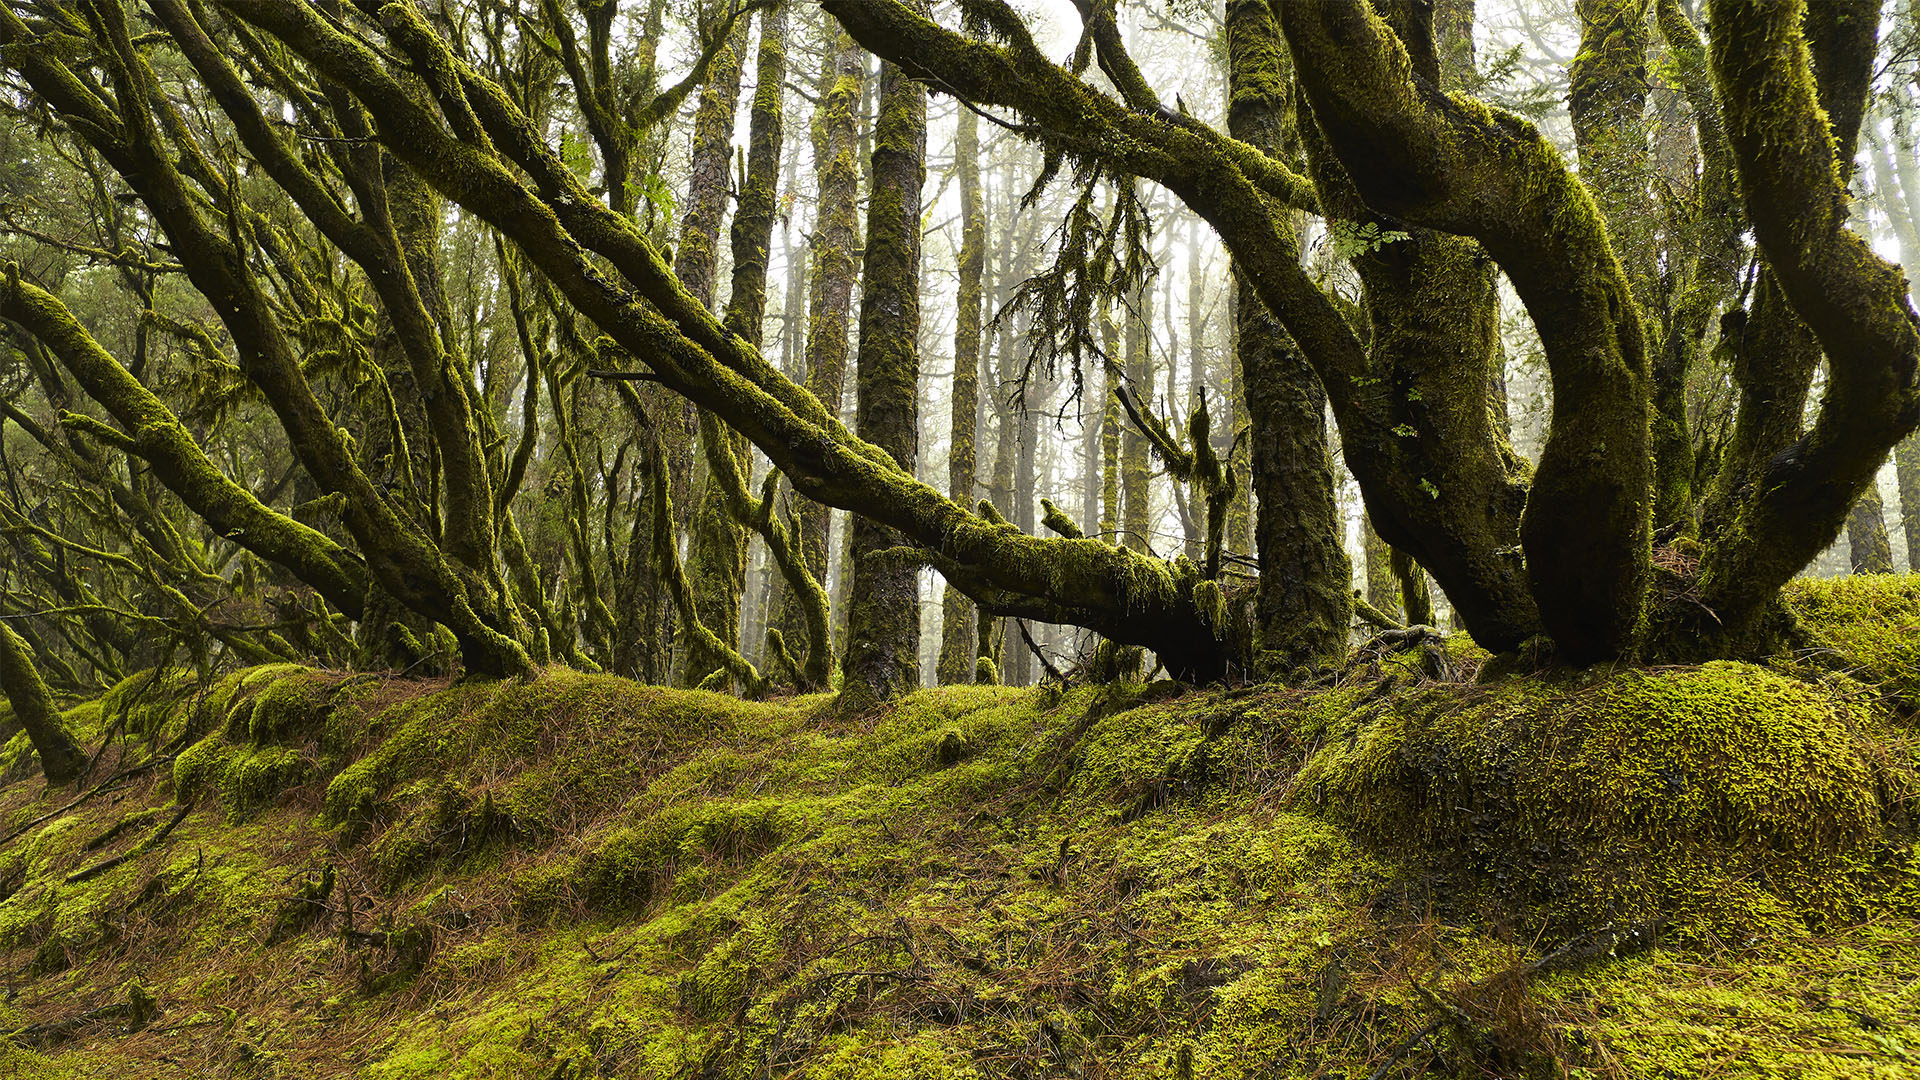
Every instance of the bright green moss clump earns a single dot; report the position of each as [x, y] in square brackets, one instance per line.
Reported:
[1867, 626]
[1722, 799]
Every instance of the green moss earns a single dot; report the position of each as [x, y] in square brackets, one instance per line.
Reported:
[1721, 799]
[150, 703]
[1867, 626]
[580, 876]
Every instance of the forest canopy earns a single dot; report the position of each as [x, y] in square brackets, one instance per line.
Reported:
[778, 347]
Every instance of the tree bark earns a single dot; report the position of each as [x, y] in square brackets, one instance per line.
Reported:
[1305, 600]
[883, 627]
[830, 284]
[60, 757]
[958, 635]
[717, 555]
[1868, 549]
[1792, 166]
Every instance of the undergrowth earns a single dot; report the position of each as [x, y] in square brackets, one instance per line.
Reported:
[1685, 872]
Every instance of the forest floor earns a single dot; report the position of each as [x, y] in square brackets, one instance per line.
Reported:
[1421, 868]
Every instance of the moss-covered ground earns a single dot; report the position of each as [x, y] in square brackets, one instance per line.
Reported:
[1423, 868]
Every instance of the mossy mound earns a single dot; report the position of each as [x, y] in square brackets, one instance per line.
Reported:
[1866, 626]
[1724, 799]
[575, 876]
[273, 729]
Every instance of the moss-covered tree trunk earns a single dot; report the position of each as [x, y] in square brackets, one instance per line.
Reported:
[1017, 666]
[1896, 186]
[1305, 600]
[836, 140]
[60, 757]
[958, 635]
[1110, 423]
[1005, 406]
[883, 625]
[1383, 588]
[1194, 522]
[717, 555]
[1792, 96]
[696, 263]
[1136, 465]
[1868, 549]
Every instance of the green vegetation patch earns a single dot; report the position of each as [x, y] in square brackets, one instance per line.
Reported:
[1604, 874]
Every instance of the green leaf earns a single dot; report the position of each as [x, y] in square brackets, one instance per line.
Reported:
[1348, 239]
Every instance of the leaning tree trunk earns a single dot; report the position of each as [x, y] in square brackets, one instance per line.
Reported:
[883, 626]
[60, 757]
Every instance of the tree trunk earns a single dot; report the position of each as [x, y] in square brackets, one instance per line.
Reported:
[1868, 550]
[717, 555]
[830, 281]
[1305, 602]
[1383, 587]
[1136, 466]
[60, 757]
[883, 627]
[1416, 599]
[958, 636]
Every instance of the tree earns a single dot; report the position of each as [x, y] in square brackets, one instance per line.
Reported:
[309, 253]
[883, 627]
[1487, 182]
[958, 635]
[60, 757]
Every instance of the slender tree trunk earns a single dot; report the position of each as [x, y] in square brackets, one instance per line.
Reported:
[793, 341]
[958, 635]
[1136, 471]
[1868, 548]
[1196, 371]
[717, 556]
[1006, 448]
[883, 627]
[1383, 587]
[1898, 192]
[1019, 668]
[830, 282]
[1416, 599]
[1110, 423]
[696, 263]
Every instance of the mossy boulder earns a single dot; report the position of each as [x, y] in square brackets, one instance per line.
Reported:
[270, 729]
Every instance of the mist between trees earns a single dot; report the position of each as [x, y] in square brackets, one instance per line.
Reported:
[779, 347]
